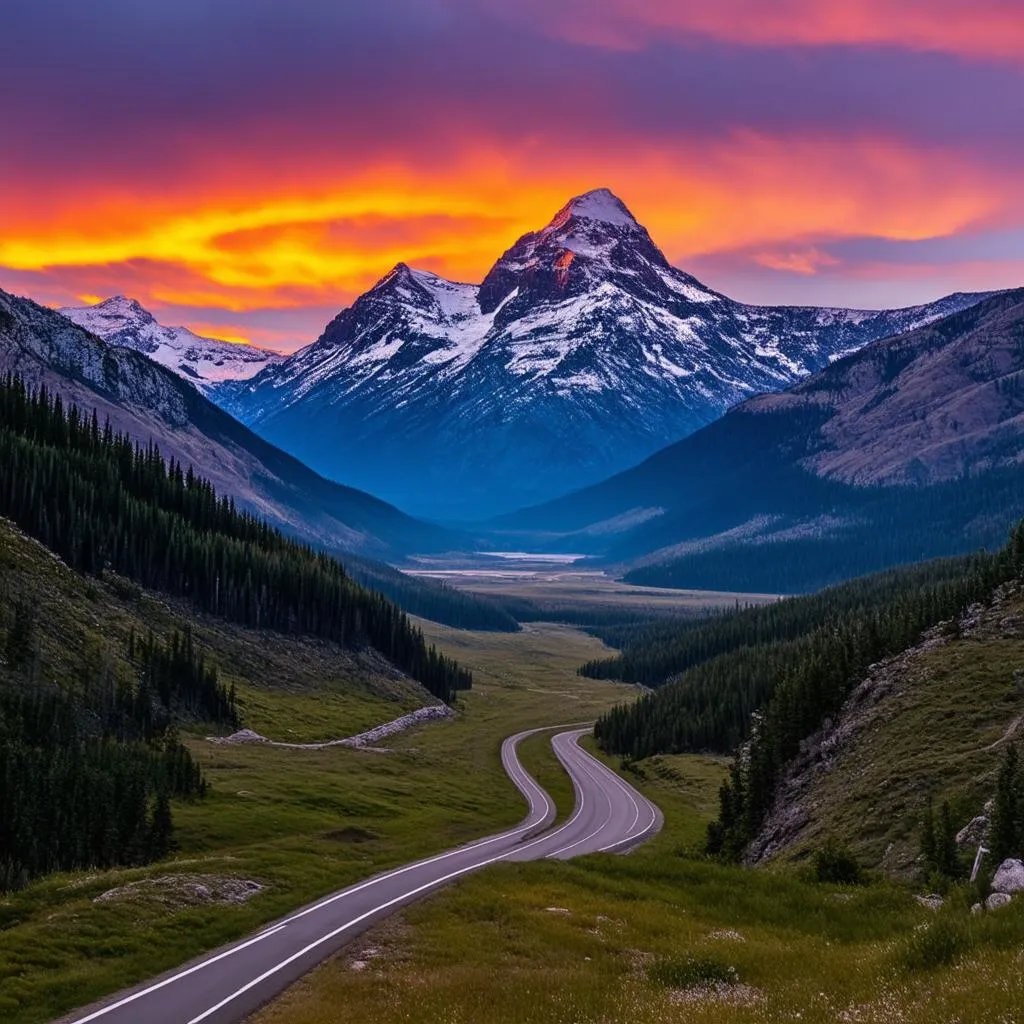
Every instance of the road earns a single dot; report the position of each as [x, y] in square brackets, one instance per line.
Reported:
[230, 983]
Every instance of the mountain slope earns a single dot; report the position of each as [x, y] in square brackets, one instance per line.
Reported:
[203, 361]
[150, 403]
[912, 441]
[950, 705]
[582, 352]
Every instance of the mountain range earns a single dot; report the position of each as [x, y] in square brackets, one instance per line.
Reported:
[860, 447]
[153, 404]
[906, 449]
[582, 352]
[203, 361]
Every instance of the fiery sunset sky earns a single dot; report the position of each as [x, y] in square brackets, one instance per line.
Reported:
[246, 167]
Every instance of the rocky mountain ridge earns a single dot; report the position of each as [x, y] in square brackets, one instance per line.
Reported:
[911, 447]
[152, 404]
[205, 362]
[582, 352]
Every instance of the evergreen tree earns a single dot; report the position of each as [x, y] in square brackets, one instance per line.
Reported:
[947, 862]
[161, 828]
[770, 677]
[929, 845]
[107, 505]
[1008, 814]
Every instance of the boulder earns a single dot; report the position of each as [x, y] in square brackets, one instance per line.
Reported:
[973, 833]
[933, 901]
[997, 900]
[1009, 877]
[977, 908]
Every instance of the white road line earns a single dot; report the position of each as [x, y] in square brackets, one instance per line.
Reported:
[180, 974]
[435, 883]
[581, 765]
[629, 791]
[566, 752]
[508, 747]
[517, 777]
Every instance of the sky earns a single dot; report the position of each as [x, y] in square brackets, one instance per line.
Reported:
[248, 167]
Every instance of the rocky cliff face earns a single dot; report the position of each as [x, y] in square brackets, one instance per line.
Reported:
[933, 721]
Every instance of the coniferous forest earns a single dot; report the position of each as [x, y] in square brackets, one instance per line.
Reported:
[88, 770]
[761, 680]
[101, 502]
[88, 767]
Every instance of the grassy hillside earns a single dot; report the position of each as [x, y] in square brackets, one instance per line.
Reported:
[300, 823]
[932, 722]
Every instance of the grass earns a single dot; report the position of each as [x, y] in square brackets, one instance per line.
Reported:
[662, 937]
[946, 714]
[538, 758]
[300, 822]
[665, 935]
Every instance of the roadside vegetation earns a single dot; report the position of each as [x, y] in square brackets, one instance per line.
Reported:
[297, 823]
[666, 935]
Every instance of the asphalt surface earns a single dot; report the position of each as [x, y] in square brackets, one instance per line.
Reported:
[228, 984]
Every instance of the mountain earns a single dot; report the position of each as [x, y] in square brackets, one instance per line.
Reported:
[202, 361]
[906, 449]
[582, 352]
[151, 403]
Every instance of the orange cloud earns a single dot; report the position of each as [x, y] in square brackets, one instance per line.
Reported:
[807, 261]
[977, 28]
[288, 243]
[233, 335]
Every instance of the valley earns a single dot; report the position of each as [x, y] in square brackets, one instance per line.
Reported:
[810, 735]
[551, 584]
[299, 823]
[512, 513]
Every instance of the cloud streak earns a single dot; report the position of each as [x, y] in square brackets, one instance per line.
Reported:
[253, 165]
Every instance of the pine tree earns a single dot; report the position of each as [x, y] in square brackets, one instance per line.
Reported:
[161, 828]
[947, 862]
[1008, 814]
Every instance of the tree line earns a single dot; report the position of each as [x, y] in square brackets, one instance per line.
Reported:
[713, 674]
[785, 671]
[101, 501]
[430, 599]
[87, 772]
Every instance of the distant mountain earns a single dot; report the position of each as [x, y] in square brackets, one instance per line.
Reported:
[202, 361]
[581, 353]
[151, 403]
[909, 448]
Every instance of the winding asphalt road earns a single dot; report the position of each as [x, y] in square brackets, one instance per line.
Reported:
[227, 985]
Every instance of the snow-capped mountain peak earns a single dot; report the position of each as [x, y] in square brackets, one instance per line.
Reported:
[204, 362]
[600, 205]
[593, 239]
[581, 353]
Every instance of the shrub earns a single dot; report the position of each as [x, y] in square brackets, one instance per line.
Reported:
[691, 972]
[940, 943]
[834, 864]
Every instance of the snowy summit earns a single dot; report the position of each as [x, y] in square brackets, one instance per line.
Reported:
[582, 352]
[204, 362]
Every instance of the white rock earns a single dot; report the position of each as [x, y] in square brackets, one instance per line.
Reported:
[1009, 877]
[977, 908]
[242, 736]
[933, 901]
[997, 900]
